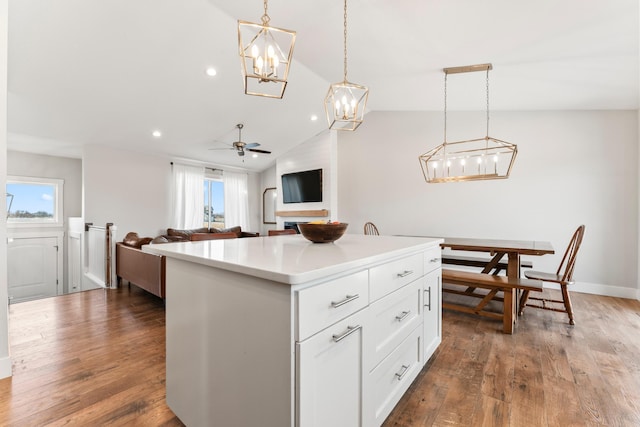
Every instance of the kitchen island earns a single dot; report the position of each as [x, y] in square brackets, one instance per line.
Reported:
[282, 332]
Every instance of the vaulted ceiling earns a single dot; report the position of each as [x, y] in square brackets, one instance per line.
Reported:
[111, 72]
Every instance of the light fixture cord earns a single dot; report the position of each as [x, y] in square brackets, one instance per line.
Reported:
[345, 40]
[265, 17]
[445, 107]
[487, 102]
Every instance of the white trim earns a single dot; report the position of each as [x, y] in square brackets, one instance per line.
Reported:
[5, 367]
[599, 289]
[58, 218]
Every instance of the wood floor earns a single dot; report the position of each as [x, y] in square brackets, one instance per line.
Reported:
[87, 359]
[97, 358]
[547, 373]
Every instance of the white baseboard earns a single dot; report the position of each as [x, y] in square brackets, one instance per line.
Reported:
[598, 289]
[5, 367]
[91, 281]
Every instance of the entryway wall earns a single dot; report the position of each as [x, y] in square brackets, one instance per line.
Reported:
[42, 166]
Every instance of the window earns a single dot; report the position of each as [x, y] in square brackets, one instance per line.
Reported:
[213, 203]
[34, 202]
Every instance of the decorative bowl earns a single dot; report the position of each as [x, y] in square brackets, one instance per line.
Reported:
[322, 233]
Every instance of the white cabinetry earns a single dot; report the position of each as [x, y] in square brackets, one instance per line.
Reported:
[329, 375]
[335, 343]
[432, 303]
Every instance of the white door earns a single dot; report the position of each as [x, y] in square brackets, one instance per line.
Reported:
[32, 268]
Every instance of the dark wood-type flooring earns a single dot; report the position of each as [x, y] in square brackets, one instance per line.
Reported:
[97, 358]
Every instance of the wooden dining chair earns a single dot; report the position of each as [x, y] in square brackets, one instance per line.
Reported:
[563, 276]
[282, 232]
[370, 229]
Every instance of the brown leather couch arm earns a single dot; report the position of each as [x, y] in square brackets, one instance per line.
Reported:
[144, 270]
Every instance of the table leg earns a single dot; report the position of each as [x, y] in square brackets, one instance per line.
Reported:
[509, 314]
[513, 270]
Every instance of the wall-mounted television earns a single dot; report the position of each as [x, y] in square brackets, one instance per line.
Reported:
[302, 187]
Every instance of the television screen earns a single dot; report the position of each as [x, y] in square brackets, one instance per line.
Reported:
[302, 187]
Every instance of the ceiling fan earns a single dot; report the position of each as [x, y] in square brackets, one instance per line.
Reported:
[241, 147]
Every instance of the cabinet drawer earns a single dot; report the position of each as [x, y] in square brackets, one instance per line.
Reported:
[324, 304]
[432, 259]
[391, 379]
[392, 320]
[386, 278]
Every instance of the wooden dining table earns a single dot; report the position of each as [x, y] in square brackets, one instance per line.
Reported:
[497, 249]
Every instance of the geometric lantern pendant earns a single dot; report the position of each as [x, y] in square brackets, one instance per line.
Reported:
[266, 56]
[476, 159]
[345, 105]
[345, 102]
[470, 160]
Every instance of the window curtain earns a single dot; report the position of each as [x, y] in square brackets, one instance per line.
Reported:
[236, 199]
[187, 197]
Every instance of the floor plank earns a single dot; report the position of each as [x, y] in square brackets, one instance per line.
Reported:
[546, 374]
[97, 358]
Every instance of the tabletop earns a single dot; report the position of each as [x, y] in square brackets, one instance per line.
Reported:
[523, 247]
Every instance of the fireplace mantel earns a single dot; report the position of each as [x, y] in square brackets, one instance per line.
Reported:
[318, 212]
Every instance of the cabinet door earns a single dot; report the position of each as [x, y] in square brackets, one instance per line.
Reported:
[329, 373]
[432, 306]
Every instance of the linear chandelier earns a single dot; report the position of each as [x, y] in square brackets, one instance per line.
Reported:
[474, 159]
[345, 102]
[266, 56]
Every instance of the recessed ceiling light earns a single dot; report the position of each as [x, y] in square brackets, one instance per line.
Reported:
[156, 134]
[254, 155]
[314, 117]
[211, 71]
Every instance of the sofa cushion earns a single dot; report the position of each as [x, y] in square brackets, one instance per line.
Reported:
[186, 234]
[237, 230]
[132, 239]
[159, 239]
[212, 236]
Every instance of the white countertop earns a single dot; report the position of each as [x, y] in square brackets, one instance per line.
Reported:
[292, 259]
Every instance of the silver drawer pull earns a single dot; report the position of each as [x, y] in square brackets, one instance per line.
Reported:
[402, 316]
[349, 298]
[403, 372]
[434, 260]
[429, 292]
[406, 273]
[350, 330]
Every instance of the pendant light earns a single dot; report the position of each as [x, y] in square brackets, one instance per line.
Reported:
[266, 56]
[345, 102]
[474, 159]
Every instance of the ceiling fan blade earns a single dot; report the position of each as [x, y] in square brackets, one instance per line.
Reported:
[252, 145]
[225, 148]
[258, 151]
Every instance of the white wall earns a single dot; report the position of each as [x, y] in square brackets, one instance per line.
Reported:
[67, 169]
[133, 190]
[268, 179]
[578, 167]
[129, 189]
[5, 360]
[319, 152]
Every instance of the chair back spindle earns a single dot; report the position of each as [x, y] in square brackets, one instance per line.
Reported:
[370, 229]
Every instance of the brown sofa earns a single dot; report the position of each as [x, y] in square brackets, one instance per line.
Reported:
[146, 270]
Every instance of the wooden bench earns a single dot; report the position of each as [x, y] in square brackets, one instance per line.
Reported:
[472, 280]
[486, 264]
